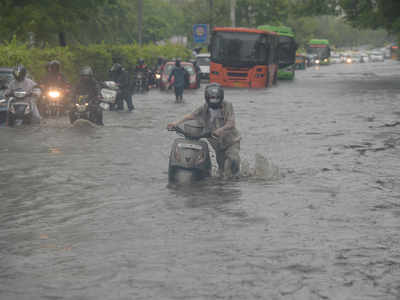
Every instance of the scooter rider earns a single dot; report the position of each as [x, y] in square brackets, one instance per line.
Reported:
[54, 77]
[20, 82]
[120, 76]
[141, 67]
[89, 86]
[218, 117]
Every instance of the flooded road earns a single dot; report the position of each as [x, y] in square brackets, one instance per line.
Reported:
[85, 213]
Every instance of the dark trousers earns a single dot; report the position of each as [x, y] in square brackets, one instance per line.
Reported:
[179, 91]
[124, 95]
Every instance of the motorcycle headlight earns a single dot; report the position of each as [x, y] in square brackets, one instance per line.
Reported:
[158, 76]
[317, 61]
[54, 94]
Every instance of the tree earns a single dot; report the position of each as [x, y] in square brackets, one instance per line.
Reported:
[258, 12]
[46, 19]
[373, 13]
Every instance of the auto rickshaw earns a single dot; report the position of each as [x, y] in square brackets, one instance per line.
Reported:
[300, 62]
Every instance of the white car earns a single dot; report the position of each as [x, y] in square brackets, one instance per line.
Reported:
[203, 61]
[365, 58]
[336, 59]
[377, 56]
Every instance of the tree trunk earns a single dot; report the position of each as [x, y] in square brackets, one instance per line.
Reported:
[140, 21]
[62, 40]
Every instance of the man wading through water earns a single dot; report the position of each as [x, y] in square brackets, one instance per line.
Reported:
[180, 77]
[218, 116]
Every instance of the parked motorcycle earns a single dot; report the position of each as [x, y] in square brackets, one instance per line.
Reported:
[20, 108]
[189, 159]
[109, 93]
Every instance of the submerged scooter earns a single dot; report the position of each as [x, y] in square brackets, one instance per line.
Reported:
[189, 159]
[109, 93]
[20, 107]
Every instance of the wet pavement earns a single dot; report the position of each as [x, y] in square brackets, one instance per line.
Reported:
[85, 213]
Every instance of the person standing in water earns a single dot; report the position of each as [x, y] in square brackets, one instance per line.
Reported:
[179, 73]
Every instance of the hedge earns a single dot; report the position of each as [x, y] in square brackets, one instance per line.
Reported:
[99, 56]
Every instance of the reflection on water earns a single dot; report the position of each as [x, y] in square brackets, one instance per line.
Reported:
[86, 212]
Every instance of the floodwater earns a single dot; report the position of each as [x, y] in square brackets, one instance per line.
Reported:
[85, 213]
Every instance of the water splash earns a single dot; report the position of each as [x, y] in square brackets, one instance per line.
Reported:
[263, 168]
[82, 123]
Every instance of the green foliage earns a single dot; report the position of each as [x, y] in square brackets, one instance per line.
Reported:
[100, 57]
[373, 13]
[44, 18]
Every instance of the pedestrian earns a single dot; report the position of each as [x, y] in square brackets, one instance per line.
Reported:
[121, 77]
[180, 75]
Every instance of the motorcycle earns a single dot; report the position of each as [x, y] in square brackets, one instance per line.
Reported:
[109, 93]
[189, 159]
[53, 102]
[3, 105]
[20, 108]
[140, 83]
[84, 110]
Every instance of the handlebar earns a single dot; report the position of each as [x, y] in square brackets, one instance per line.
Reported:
[186, 135]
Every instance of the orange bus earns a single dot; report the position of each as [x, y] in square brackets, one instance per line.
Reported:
[243, 57]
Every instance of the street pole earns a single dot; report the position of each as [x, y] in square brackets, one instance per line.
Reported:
[140, 21]
[211, 4]
[233, 13]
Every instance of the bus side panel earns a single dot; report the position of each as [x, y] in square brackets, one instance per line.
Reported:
[255, 77]
[273, 72]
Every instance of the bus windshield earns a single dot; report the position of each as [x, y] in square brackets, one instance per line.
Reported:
[322, 51]
[287, 50]
[239, 48]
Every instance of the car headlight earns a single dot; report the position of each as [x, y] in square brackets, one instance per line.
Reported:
[325, 60]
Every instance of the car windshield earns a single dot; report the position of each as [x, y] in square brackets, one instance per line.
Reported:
[189, 68]
[239, 48]
[168, 68]
[203, 61]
